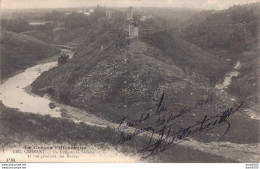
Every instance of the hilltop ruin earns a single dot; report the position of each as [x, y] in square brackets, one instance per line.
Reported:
[132, 26]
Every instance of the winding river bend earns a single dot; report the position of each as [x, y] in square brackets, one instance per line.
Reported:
[228, 77]
[14, 95]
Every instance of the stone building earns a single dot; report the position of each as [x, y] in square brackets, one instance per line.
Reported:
[133, 31]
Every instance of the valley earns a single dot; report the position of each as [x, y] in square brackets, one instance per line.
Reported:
[109, 76]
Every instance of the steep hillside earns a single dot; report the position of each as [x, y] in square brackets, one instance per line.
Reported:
[20, 51]
[232, 34]
[187, 56]
[125, 81]
[126, 78]
[246, 85]
[113, 77]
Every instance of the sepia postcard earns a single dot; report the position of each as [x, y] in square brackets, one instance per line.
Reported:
[130, 81]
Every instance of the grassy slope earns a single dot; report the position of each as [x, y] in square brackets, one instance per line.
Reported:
[187, 55]
[95, 77]
[232, 33]
[31, 127]
[20, 51]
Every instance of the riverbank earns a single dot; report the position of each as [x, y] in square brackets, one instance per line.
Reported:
[48, 130]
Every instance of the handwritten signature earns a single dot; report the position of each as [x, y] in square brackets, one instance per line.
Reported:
[167, 136]
[163, 110]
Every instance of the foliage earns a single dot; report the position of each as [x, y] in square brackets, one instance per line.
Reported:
[234, 29]
[63, 59]
[64, 96]
[15, 25]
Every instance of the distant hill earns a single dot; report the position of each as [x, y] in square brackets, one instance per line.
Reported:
[232, 34]
[60, 37]
[67, 29]
[20, 51]
[234, 29]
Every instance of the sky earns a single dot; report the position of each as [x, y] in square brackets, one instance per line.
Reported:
[200, 4]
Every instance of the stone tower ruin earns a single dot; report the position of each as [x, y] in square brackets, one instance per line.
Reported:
[132, 26]
[133, 31]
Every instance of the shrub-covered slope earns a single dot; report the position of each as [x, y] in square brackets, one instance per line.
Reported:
[187, 56]
[113, 77]
[125, 77]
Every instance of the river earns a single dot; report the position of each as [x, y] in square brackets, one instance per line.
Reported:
[228, 77]
[14, 95]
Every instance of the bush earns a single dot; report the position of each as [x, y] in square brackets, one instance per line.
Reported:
[64, 97]
[51, 91]
[63, 59]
